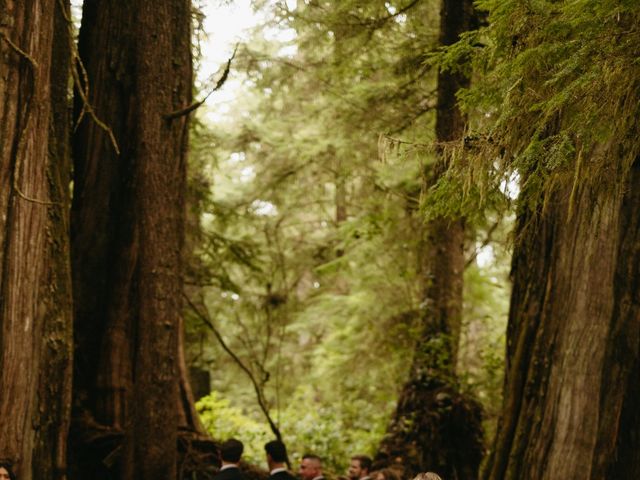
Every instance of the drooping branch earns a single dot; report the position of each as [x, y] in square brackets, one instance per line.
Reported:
[206, 320]
[82, 83]
[221, 81]
[26, 114]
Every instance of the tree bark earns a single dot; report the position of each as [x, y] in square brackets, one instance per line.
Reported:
[434, 426]
[35, 285]
[127, 239]
[572, 401]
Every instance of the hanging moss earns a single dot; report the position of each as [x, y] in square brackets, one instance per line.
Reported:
[558, 83]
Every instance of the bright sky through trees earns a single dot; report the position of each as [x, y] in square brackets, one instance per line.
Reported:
[226, 24]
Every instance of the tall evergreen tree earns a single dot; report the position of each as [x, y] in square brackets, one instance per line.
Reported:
[35, 286]
[434, 426]
[562, 93]
[127, 238]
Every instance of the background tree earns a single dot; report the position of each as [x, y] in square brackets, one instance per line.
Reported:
[434, 426]
[315, 265]
[306, 189]
[35, 290]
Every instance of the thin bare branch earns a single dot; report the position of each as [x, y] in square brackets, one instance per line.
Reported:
[487, 240]
[221, 81]
[206, 320]
[26, 114]
[82, 86]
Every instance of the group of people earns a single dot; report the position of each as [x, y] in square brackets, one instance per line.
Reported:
[230, 452]
[360, 467]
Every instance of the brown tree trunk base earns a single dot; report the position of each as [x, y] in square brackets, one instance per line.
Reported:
[572, 401]
[435, 428]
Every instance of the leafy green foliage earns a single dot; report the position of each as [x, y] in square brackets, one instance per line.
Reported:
[309, 218]
[558, 82]
[329, 429]
[225, 421]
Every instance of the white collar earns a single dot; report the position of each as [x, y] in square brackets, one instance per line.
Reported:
[277, 470]
[228, 465]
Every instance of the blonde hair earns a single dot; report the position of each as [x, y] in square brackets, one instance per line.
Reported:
[427, 476]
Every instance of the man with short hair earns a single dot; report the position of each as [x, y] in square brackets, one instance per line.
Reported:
[229, 453]
[311, 467]
[360, 467]
[277, 461]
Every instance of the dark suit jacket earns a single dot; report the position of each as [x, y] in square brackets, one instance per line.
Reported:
[284, 475]
[232, 473]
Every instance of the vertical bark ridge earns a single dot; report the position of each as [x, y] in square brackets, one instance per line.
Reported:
[34, 290]
[574, 303]
[128, 236]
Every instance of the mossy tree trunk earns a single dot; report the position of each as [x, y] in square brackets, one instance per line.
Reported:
[572, 399]
[127, 239]
[35, 285]
[434, 426]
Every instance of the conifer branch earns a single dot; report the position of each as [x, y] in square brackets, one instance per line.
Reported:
[330, 87]
[378, 22]
[373, 23]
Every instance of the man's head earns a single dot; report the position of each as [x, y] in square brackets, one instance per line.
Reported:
[276, 453]
[359, 467]
[6, 473]
[231, 451]
[427, 476]
[310, 467]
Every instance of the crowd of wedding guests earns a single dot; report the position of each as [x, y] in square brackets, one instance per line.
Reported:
[360, 467]
[230, 452]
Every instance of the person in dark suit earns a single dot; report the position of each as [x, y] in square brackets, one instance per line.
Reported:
[277, 461]
[230, 452]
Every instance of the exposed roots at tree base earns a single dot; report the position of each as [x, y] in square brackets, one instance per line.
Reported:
[97, 453]
[435, 428]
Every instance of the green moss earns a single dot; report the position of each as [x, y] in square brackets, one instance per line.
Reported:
[556, 83]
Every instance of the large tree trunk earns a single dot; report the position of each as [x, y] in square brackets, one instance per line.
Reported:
[35, 288]
[572, 399]
[434, 426]
[127, 239]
